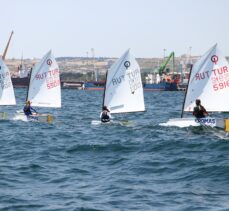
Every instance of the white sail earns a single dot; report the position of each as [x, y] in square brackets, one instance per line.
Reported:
[44, 88]
[209, 82]
[123, 91]
[6, 88]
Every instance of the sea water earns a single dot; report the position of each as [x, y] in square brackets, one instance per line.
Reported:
[76, 163]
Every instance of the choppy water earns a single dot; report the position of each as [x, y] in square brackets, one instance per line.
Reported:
[75, 165]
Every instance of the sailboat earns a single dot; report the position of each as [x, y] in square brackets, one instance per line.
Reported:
[209, 82]
[7, 96]
[123, 91]
[44, 87]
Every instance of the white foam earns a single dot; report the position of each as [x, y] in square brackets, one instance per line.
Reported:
[184, 122]
[20, 116]
[96, 122]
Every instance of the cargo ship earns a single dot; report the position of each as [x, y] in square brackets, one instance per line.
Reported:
[20, 82]
[162, 86]
[162, 79]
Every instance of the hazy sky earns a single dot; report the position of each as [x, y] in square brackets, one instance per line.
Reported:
[73, 27]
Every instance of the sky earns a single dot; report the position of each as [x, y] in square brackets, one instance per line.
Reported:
[147, 27]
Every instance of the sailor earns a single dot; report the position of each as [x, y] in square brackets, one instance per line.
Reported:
[105, 114]
[199, 111]
[28, 109]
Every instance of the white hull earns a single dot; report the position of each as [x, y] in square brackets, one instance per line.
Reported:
[36, 117]
[187, 122]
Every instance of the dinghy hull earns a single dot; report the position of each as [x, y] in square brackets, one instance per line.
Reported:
[187, 122]
[41, 118]
[36, 117]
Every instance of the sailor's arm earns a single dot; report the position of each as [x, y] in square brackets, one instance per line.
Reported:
[204, 110]
[32, 109]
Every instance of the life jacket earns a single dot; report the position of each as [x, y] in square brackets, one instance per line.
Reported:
[105, 117]
[199, 112]
[27, 110]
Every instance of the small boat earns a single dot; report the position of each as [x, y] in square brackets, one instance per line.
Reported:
[44, 87]
[123, 91]
[209, 82]
[7, 96]
[94, 85]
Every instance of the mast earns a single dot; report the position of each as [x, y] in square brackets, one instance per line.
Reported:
[7, 46]
[104, 91]
[29, 84]
[182, 111]
[21, 59]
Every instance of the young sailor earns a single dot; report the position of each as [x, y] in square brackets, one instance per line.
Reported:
[105, 115]
[199, 111]
[28, 109]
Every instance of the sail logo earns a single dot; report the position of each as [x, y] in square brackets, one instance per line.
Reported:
[215, 59]
[206, 121]
[127, 64]
[49, 62]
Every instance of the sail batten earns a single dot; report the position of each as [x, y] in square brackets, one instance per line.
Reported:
[209, 82]
[7, 96]
[44, 89]
[123, 89]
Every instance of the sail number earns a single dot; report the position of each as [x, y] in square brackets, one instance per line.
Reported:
[219, 77]
[118, 80]
[133, 77]
[134, 80]
[51, 77]
[5, 80]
